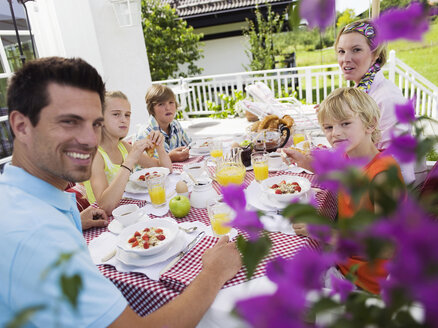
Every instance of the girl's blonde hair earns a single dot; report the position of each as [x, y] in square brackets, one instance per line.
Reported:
[379, 51]
[114, 94]
[158, 93]
[338, 104]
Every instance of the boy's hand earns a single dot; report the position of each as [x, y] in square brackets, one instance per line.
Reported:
[179, 154]
[302, 160]
[93, 217]
[300, 229]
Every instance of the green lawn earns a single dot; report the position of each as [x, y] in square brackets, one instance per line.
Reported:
[421, 56]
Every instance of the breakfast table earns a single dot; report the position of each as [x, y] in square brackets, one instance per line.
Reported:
[148, 292]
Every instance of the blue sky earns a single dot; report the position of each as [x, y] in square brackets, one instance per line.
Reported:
[357, 5]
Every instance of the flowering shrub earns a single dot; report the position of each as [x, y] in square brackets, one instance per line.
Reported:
[404, 227]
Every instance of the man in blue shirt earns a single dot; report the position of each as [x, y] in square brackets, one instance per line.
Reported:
[56, 116]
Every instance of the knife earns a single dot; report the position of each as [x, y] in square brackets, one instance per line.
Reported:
[183, 252]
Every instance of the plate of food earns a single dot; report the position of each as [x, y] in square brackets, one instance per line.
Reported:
[148, 237]
[285, 188]
[140, 177]
[200, 147]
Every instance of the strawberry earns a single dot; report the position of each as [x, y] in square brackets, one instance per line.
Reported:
[145, 237]
[278, 192]
[161, 237]
[133, 239]
[159, 230]
[146, 229]
[274, 186]
[295, 184]
[297, 188]
[137, 234]
[141, 177]
[146, 245]
[135, 244]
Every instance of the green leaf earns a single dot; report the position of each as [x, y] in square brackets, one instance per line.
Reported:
[71, 286]
[22, 317]
[253, 252]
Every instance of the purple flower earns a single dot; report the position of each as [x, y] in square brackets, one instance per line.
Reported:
[403, 147]
[414, 268]
[343, 287]
[247, 221]
[405, 113]
[409, 23]
[318, 12]
[234, 196]
[327, 161]
[271, 311]
[320, 232]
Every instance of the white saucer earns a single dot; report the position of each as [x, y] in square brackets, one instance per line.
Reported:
[144, 261]
[283, 167]
[116, 227]
[135, 188]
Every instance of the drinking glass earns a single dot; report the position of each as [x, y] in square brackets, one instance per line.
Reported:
[216, 149]
[219, 214]
[156, 190]
[259, 162]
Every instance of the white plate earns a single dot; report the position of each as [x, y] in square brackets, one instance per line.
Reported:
[116, 227]
[134, 176]
[144, 261]
[285, 198]
[200, 147]
[170, 230]
[283, 167]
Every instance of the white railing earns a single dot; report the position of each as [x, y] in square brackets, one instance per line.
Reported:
[311, 83]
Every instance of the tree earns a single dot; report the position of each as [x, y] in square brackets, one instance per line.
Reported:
[347, 17]
[386, 4]
[261, 39]
[169, 42]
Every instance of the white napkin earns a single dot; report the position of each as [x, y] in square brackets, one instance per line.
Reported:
[277, 223]
[101, 246]
[297, 169]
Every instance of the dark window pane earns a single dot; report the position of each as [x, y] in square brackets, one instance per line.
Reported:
[6, 22]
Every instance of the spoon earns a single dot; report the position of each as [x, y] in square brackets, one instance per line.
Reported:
[188, 230]
[192, 178]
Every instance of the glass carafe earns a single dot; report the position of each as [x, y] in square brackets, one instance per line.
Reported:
[229, 169]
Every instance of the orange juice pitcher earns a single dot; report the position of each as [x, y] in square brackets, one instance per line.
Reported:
[229, 169]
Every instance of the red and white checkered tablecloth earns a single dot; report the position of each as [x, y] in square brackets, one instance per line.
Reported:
[145, 295]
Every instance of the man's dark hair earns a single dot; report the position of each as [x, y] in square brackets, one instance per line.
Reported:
[27, 88]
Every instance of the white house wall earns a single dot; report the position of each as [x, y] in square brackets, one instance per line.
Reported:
[225, 55]
[89, 29]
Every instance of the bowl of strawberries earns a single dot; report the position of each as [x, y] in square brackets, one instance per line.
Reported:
[285, 188]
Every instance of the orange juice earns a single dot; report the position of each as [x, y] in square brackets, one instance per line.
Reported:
[298, 137]
[216, 153]
[260, 171]
[158, 195]
[217, 223]
[231, 174]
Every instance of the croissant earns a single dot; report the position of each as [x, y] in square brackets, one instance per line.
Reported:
[255, 126]
[264, 124]
[287, 120]
[273, 124]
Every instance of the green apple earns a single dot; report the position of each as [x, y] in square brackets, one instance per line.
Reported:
[179, 206]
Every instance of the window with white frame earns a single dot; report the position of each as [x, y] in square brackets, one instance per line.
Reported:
[11, 59]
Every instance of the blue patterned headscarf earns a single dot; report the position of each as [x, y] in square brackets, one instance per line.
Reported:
[368, 31]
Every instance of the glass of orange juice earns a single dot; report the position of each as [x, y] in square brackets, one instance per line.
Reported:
[156, 190]
[216, 149]
[220, 214]
[259, 161]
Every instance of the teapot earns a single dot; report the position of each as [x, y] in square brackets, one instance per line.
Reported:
[270, 140]
[229, 168]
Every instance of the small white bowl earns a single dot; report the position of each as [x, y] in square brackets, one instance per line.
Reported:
[127, 214]
[135, 177]
[170, 230]
[285, 198]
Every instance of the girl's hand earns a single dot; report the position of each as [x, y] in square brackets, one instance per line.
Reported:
[138, 148]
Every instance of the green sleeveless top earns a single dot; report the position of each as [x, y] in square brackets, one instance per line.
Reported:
[111, 170]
